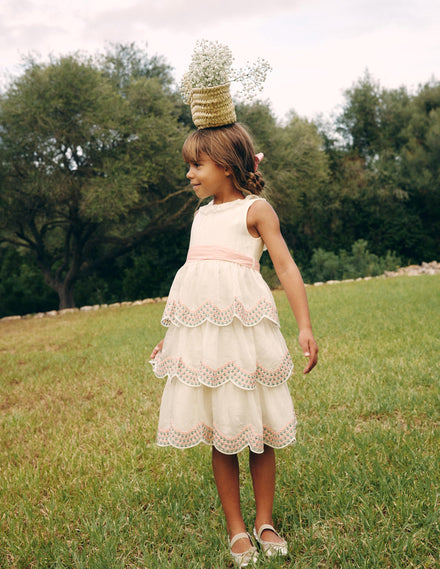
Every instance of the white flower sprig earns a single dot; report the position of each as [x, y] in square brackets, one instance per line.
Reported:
[211, 65]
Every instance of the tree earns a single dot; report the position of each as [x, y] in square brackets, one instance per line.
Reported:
[421, 168]
[299, 184]
[90, 161]
[367, 198]
[359, 123]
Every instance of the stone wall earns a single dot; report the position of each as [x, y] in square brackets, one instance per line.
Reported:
[432, 268]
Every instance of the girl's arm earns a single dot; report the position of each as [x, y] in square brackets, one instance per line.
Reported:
[263, 219]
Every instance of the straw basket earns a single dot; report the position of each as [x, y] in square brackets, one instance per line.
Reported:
[212, 106]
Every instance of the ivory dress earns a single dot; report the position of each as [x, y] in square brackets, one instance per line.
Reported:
[225, 358]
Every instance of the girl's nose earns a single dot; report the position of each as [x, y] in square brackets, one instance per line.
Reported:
[189, 174]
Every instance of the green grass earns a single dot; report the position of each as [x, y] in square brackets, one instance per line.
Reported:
[82, 484]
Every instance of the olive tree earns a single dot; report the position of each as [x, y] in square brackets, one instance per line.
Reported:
[90, 162]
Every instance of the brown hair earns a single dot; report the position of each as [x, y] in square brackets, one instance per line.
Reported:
[228, 146]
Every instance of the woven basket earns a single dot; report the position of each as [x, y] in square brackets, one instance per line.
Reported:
[212, 106]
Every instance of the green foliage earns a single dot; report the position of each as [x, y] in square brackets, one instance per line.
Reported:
[359, 123]
[125, 63]
[420, 164]
[99, 288]
[150, 271]
[300, 184]
[146, 272]
[327, 265]
[22, 287]
[384, 170]
[91, 159]
[261, 122]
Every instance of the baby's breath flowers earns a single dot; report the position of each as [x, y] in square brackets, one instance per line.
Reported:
[211, 65]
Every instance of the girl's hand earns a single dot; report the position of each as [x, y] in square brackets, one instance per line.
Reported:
[309, 348]
[156, 350]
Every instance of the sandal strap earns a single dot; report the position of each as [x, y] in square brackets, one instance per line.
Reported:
[242, 535]
[265, 527]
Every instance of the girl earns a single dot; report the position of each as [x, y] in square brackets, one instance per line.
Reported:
[226, 360]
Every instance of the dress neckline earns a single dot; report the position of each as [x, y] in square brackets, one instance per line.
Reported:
[225, 203]
[232, 202]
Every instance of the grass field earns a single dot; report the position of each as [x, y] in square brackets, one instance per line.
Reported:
[82, 484]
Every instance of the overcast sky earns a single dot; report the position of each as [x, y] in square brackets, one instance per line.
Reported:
[317, 48]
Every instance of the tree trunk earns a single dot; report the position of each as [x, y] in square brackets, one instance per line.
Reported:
[64, 289]
[66, 295]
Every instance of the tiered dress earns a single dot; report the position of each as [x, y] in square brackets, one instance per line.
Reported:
[225, 358]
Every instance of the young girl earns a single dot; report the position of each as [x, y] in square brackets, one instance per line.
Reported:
[226, 360]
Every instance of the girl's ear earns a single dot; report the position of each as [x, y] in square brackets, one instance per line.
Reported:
[228, 171]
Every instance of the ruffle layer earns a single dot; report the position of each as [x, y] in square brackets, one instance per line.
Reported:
[180, 315]
[228, 445]
[204, 375]
[212, 355]
[228, 417]
[230, 292]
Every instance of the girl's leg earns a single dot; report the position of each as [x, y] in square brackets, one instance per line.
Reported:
[262, 467]
[227, 479]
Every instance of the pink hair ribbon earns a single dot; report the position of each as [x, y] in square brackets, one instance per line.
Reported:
[258, 158]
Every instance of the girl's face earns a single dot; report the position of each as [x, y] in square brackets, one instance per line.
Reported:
[208, 178]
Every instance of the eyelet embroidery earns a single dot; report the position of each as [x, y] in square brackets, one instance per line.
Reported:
[203, 433]
[179, 314]
[204, 375]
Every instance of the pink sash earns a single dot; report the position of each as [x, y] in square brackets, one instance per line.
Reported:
[211, 252]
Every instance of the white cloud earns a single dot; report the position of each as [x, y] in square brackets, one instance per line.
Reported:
[175, 14]
[317, 48]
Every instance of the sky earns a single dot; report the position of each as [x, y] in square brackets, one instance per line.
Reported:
[317, 48]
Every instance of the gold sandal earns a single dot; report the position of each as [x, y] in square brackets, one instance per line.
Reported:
[270, 548]
[246, 557]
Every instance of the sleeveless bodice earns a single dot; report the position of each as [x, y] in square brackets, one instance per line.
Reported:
[216, 287]
[225, 225]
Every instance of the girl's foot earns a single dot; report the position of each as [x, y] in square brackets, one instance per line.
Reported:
[270, 541]
[242, 550]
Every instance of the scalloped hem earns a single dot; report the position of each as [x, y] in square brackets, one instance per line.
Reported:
[204, 375]
[179, 314]
[248, 437]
